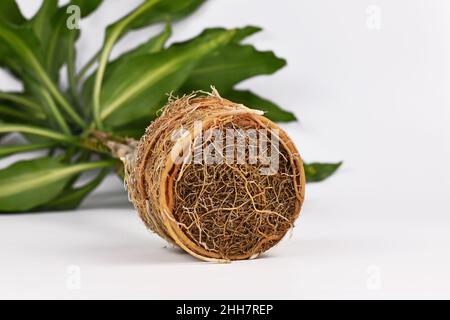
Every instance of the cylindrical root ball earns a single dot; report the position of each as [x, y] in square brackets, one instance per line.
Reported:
[216, 178]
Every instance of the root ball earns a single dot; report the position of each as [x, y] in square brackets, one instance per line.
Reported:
[216, 178]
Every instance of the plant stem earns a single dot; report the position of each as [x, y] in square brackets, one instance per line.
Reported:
[113, 145]
[92, 144]
[62, 101]
[56, 114]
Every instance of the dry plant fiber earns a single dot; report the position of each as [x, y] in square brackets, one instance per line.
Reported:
[217, 208]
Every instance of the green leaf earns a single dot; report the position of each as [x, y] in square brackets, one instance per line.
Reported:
[136, 87]
[6, 151]
[10, 12]
[231, 65]
[20, 109]
[153, 45]
[61, 46]
[55, 118]
[154, 11]
[67, 51]
[41, 23]
[26, 185]
[37, 131]
[50, 27]
[8, 113]
[57, 40]
[135, 129]
[24, 54]
[87, 6]
[26, 110]
[245, 32]
[22, 101]
[251, 100]
[151, 11]
[72, 198]
[20, 50]
[316, 172]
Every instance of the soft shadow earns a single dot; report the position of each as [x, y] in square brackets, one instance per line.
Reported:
[144, 253]
[107, 200]
[118, 238]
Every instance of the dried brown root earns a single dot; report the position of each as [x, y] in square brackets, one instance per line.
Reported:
[216, 212]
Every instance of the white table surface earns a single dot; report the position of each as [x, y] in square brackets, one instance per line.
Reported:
[380, 228]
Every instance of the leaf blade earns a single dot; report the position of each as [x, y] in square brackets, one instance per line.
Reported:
[251, 100]
[10, 12]
[9, 150]
[72, 199]
[21, 42]
[37, 131]
[87, 6]
[151, 11]
[20, 181]
[21, 100]
[153, 45]
[317, 172]
[137, 86]
[231, 65]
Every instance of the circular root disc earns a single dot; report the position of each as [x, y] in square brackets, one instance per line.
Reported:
[235, 188]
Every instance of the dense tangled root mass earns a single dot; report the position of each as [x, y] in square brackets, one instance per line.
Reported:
[234, 204]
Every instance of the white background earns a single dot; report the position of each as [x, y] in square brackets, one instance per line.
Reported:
[380, 228]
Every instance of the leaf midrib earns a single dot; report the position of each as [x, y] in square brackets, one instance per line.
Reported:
[43, 178]
[153, 76]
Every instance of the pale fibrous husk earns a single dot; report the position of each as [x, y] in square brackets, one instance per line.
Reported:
[216, 212]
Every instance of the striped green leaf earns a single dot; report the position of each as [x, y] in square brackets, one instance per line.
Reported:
[10, 12]
[153, 45]
[149, 12]
[230, 65]
[316, 172]
[72, 198]
[24, 55]
[7, 150]
[137, 87]
[37, 131]
[28, 184]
